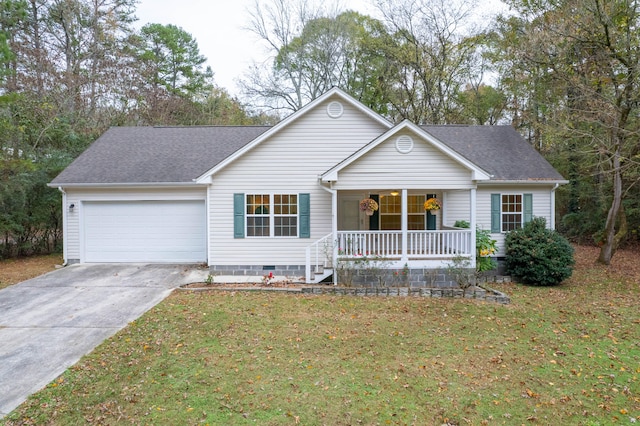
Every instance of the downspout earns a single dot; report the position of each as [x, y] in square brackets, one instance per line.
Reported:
[473, 199]
[404, 225]
[64, 225]
[552, 213]
[334, 227]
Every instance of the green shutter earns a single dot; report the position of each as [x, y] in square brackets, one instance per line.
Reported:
[527, 207]
[432, 220]
[238, 215]
[304, 214]
[495, 213]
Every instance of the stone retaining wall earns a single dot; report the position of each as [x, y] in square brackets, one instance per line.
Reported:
[477, 293]
[486, 294]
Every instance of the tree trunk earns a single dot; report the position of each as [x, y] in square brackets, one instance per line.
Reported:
[611, 238]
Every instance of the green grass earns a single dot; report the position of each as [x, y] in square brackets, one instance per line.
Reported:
[567, 355]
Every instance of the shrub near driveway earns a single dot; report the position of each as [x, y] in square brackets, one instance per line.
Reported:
[557, 355]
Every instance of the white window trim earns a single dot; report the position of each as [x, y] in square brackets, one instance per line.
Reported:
[503, 213]
[422, 214]
[271, 215]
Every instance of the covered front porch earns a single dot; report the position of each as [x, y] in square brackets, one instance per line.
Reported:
[399, 235]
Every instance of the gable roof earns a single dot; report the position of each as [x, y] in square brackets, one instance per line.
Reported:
[334, 92]
[499, 150]
[147, 155]
[190, 155]
[477, 172]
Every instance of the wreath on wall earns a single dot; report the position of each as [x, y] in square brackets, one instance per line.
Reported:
[368, 205]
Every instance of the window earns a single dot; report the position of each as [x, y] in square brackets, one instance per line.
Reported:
[511, 212]
[272, 215]
[258, 219]
[391, 212]
[416, 212]
[285, 209]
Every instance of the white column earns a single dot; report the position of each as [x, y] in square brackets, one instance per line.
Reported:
[334, 231]
[443, 211]
[472, 214]
[404, 224]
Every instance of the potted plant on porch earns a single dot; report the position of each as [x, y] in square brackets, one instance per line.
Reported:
[433, 205]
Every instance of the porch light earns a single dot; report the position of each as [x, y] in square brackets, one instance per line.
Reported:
[394, 193]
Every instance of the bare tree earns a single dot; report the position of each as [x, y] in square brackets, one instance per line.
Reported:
[281, 83]
[434, 55]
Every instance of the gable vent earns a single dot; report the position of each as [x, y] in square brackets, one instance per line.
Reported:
[335, 109]
[404, 144]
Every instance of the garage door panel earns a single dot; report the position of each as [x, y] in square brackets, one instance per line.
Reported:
[145, 231]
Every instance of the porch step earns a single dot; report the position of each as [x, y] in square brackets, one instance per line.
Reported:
[318, 276]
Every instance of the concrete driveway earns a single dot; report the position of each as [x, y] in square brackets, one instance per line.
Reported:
[48, 323]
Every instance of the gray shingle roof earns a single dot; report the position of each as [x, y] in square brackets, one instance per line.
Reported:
[156, 154]
[499, 150]
[129, 155]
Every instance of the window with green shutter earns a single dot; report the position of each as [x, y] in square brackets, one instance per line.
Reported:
[271, 215]
[510, 211]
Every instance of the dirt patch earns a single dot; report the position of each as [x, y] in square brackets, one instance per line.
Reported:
[624, 261]
[13, 271]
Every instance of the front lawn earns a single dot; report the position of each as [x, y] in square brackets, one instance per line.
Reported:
[567, 355]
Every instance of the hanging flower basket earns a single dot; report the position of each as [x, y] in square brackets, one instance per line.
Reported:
[368, 205]
[433, 205]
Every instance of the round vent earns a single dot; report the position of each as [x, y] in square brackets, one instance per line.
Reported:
[404, 144]
[335, 109]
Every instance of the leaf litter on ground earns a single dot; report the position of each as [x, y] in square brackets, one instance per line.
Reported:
[558, 355]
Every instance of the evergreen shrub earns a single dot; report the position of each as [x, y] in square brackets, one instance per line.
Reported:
[536, 255]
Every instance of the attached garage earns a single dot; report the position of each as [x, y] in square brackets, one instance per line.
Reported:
[171, 231]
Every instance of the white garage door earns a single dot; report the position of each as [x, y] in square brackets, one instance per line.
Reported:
[144, 231]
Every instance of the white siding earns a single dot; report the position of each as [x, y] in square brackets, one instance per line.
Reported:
[289, 162]
[424, 167]
[456, 204]
[541, 205]
[77, 196]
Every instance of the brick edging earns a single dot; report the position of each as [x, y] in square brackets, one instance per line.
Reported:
[481, 293]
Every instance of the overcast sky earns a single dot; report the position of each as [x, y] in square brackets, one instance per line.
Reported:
[217, 25]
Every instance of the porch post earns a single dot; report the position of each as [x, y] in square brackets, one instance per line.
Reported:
[334, 231]
[404, 224]
[443, 212]
[472, 211]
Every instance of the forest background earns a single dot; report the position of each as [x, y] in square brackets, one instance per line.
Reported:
[564, 73]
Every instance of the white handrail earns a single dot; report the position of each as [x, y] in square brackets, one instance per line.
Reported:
[315, 250]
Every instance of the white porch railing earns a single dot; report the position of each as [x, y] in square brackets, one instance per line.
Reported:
[420, 244]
